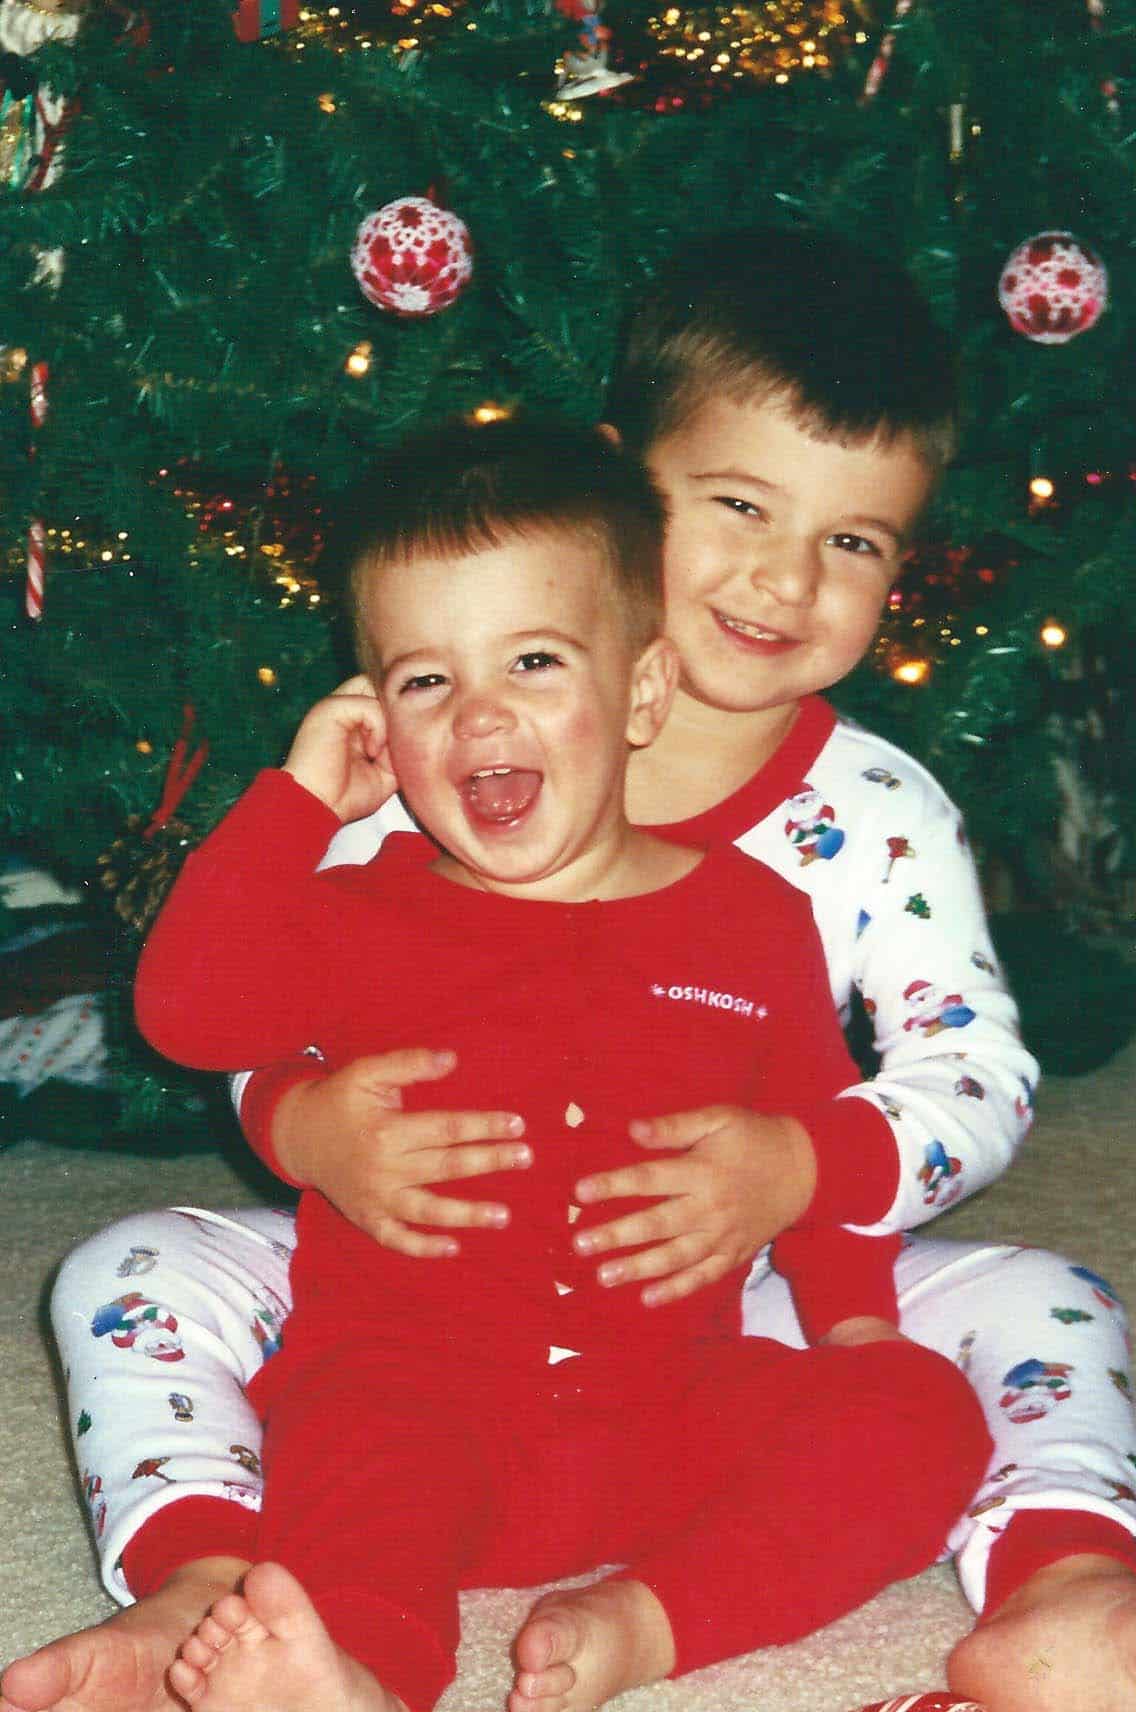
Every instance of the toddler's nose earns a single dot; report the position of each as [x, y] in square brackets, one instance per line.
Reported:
[479, 715]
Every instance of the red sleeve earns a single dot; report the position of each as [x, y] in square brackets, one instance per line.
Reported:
[263, 1093]
[836, 1275]
[856, 1159]
[857, 1162]
[235, 970]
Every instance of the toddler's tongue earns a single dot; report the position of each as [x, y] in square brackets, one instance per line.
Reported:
[501, 797]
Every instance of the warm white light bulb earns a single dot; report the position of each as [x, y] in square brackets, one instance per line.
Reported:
[911, 671]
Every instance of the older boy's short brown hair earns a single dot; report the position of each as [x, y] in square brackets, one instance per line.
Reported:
[838, 336]
[458, 489]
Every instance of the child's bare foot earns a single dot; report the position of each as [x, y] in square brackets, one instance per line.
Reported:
[120, 1665]
[266, 1649]
[578, 1649]
[1065, 1641]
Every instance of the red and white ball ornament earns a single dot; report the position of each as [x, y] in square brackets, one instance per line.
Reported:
[412, 257]
[1053, 287]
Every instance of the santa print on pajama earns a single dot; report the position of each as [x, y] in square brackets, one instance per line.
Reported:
[424, 1442]
[897, 903]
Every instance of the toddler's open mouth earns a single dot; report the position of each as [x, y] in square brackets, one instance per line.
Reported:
[496, 796]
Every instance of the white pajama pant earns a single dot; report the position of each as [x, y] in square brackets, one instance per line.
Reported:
[163, 1318]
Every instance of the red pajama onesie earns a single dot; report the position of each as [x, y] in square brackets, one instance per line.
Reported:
[513, 1422]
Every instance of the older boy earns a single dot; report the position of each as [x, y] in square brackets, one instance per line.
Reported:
[508, 618]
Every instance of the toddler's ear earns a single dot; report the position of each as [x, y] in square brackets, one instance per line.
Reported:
[654, 679]
[610, 433]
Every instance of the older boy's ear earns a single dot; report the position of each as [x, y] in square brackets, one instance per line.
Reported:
[654, 680]
[610, 433]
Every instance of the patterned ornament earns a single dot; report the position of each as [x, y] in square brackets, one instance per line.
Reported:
[141, 866]
[585, 69]
[412, 257]
[944, 1702]
[144, 860]
[32, 116]
[1053, 287]
[17, 118]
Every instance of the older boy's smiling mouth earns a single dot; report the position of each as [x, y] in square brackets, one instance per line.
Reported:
[748, 632]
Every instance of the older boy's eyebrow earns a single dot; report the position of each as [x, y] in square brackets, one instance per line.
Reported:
[732, 475]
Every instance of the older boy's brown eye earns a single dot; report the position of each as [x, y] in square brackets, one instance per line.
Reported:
[856, 544]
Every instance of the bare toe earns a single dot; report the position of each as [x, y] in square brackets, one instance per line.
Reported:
[211, 1634]
[187, 1682]
[558, 1679]
[198, 1654]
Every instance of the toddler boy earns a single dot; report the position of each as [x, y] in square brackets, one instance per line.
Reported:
[506, 1419]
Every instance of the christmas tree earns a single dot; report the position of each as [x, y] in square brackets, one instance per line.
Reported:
[208, 326]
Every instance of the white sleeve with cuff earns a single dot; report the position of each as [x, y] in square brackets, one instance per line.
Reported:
[881, 851]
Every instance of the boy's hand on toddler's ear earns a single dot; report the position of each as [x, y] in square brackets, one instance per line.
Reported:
[347, 1135]
[340, 751]
[741, 1178]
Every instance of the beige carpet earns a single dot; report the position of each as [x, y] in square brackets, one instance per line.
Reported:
[1076, 1196]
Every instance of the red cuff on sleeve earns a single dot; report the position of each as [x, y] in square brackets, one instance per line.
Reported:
[182, 1532]
[857, 1162]
[1035, 1538]
[836, 1275]
[263, 1093]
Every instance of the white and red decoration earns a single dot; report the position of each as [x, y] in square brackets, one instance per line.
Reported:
[1053, 287]
[33, 164]
[37, 539]
[36, 569]
[943, 1702]
[32, 160]
[412, 257]
[878, 69]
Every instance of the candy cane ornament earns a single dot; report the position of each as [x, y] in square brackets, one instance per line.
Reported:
[37, 538]
[1096, 25]
[877, 71]
[37, 567]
